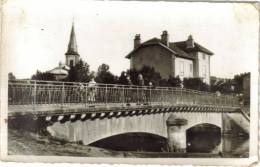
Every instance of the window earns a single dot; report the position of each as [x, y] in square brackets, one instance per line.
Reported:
[71, 63]
[181, 68]
[204, 72]
[191, 70]
[203, 56]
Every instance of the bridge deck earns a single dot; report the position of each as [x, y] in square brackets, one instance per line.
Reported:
[57, 109]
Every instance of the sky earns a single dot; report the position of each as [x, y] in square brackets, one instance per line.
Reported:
[36, 33]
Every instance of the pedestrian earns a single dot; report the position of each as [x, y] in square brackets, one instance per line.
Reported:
[128, 80]
[141, 97]
[81, 92]
[140, 80]
[92, 91]
[130, 96]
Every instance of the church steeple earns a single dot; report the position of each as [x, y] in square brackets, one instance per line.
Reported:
[72, 55]
[72, 47]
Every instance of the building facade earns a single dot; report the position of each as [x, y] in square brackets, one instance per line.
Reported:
[186, 59]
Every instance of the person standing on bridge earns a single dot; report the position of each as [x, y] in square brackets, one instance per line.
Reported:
[81, 92]
[129, 82]
[128, 79]
[92, 91]
[140, 81]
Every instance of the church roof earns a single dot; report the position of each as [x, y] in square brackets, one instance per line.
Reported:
[72, 46]
[177, 48]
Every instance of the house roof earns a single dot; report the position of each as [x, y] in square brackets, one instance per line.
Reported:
[155, 41]
[178, 48]
[182, 45]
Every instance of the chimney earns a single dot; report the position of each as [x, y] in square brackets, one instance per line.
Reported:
[190, 42]
[165, 38]
[137, 41]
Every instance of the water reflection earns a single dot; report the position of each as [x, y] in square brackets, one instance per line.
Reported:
[204, 138]
[199, 140]
[237, 146]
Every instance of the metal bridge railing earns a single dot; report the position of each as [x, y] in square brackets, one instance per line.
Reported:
[32, 92]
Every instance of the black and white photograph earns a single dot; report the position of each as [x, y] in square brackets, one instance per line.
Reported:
[129, 80]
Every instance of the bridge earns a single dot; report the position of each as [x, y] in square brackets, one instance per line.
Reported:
[89, 112]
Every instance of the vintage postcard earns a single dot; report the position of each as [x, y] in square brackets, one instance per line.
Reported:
[138, 82]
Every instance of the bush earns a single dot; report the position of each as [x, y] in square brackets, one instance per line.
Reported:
[195, 84]
[80, 73]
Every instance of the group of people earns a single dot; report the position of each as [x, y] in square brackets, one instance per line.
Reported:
[90, 92]
[141, 96]
[140, 80]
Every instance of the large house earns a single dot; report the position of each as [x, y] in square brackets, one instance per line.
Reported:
[72, 57]
[186, 59]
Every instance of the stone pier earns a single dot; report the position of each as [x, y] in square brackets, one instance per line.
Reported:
[176, 133]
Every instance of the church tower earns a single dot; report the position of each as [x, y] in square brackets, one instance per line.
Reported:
[72, 55]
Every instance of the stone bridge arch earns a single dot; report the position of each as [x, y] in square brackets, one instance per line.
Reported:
[91, 130]
[132, 141]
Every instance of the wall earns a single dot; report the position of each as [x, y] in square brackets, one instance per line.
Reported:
[153, 56]
[75, 59]
[203, 70]
[60, 77]
[183, 68]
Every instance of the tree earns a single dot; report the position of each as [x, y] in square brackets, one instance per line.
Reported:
[133, 73]
[238, 79]
[80, 73]
[148, 73]
[122, 79]
[104, 75]
[43, 76]
[227, 86]
[195, 84]
[11, 76]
